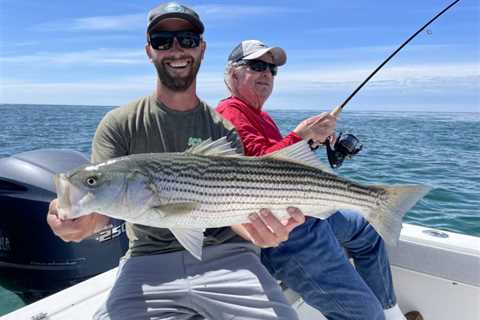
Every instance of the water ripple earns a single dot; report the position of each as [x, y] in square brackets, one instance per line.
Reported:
[437, 149]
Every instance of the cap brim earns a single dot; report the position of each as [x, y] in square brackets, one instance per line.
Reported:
[278, 54]
[198, 26]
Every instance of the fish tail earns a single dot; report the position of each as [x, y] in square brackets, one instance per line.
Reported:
[387, 217]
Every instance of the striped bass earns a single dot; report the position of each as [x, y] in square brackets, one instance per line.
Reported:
[210, 186]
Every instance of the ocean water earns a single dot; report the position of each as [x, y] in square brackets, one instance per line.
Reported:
[438, 149]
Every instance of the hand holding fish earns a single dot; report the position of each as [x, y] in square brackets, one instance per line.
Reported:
[317, 128]
[74, 229]
[266, 231]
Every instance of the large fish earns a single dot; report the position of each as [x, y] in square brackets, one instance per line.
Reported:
[210, 185]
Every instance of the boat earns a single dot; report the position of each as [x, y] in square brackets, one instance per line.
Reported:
[435, 272]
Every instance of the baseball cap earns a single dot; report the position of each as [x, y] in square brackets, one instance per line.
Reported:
[174, 10]
[254, 49]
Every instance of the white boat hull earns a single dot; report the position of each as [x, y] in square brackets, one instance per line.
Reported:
[435, 272]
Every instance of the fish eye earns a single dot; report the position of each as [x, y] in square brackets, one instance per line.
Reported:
[91, 181]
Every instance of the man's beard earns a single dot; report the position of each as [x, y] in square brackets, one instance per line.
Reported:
[177, 83]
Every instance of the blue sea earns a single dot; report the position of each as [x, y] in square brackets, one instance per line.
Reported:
[438, 149]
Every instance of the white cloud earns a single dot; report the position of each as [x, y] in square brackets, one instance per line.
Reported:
[359, 52]
[108, 92]
[440, 75]
[123, 22]
[139, 20]
[221, 12]
[96, 23]
[293, 88]
[89, 57]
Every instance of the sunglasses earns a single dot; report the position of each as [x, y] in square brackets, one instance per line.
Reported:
[163, 40]
[259, 66]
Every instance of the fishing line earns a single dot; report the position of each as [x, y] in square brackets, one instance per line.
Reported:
[346, 146]
[338, 109]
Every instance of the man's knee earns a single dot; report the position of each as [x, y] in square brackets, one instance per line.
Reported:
[349, 225]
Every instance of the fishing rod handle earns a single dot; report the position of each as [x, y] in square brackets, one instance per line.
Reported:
[335, 112]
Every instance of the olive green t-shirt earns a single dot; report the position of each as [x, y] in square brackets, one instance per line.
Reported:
[145, 126]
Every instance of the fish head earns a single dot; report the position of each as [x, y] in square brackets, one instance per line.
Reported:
[91, 188]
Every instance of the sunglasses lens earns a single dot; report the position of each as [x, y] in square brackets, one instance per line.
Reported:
[273, 69]
[260, 66]
[188, 40]
[163, 40]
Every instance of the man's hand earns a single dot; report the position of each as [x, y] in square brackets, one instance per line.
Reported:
[265, 230]
[76, 229]
[318, 128]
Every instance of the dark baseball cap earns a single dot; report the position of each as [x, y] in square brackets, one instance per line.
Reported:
[254, 49]
[174, 10]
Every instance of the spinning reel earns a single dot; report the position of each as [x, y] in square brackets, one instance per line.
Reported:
[345, 147]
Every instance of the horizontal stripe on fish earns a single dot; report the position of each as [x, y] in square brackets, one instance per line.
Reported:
[291, 194]
[206, 185]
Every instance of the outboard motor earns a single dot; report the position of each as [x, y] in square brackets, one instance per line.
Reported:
[33, 261]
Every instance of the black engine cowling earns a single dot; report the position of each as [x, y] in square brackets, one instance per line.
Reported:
[33, 261]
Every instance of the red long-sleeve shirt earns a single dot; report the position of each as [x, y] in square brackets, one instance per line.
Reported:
[259, 133]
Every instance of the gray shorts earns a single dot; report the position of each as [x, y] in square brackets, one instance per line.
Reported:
[229, 283]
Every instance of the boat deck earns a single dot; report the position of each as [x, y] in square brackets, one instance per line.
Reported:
[435, 272]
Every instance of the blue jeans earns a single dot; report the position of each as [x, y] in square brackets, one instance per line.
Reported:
[314, 264]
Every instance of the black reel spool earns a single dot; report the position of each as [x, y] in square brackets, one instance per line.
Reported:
[345, 147]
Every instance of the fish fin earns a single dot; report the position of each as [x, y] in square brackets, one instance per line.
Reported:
[220, 147]
[190, 239]
[387, 219]
[176, 208]
[300, 153]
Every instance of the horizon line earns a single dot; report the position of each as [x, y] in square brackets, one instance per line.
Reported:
[269, 109]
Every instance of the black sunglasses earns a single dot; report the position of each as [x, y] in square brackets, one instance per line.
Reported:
[163, 40]
[259, 66]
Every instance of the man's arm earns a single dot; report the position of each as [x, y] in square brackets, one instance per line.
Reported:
[255, 142]
[317, 128]
[110, 140]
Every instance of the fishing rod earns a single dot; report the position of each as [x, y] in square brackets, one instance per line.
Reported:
[338, 109]
[348, 145]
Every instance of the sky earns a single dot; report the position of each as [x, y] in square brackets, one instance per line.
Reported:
[91, 52]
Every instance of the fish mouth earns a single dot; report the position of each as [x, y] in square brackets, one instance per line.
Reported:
[70, 198]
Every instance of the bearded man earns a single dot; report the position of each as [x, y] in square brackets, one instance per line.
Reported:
[158, 278]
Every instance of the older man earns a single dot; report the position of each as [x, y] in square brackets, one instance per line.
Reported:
[158, 279]
[312, 261]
